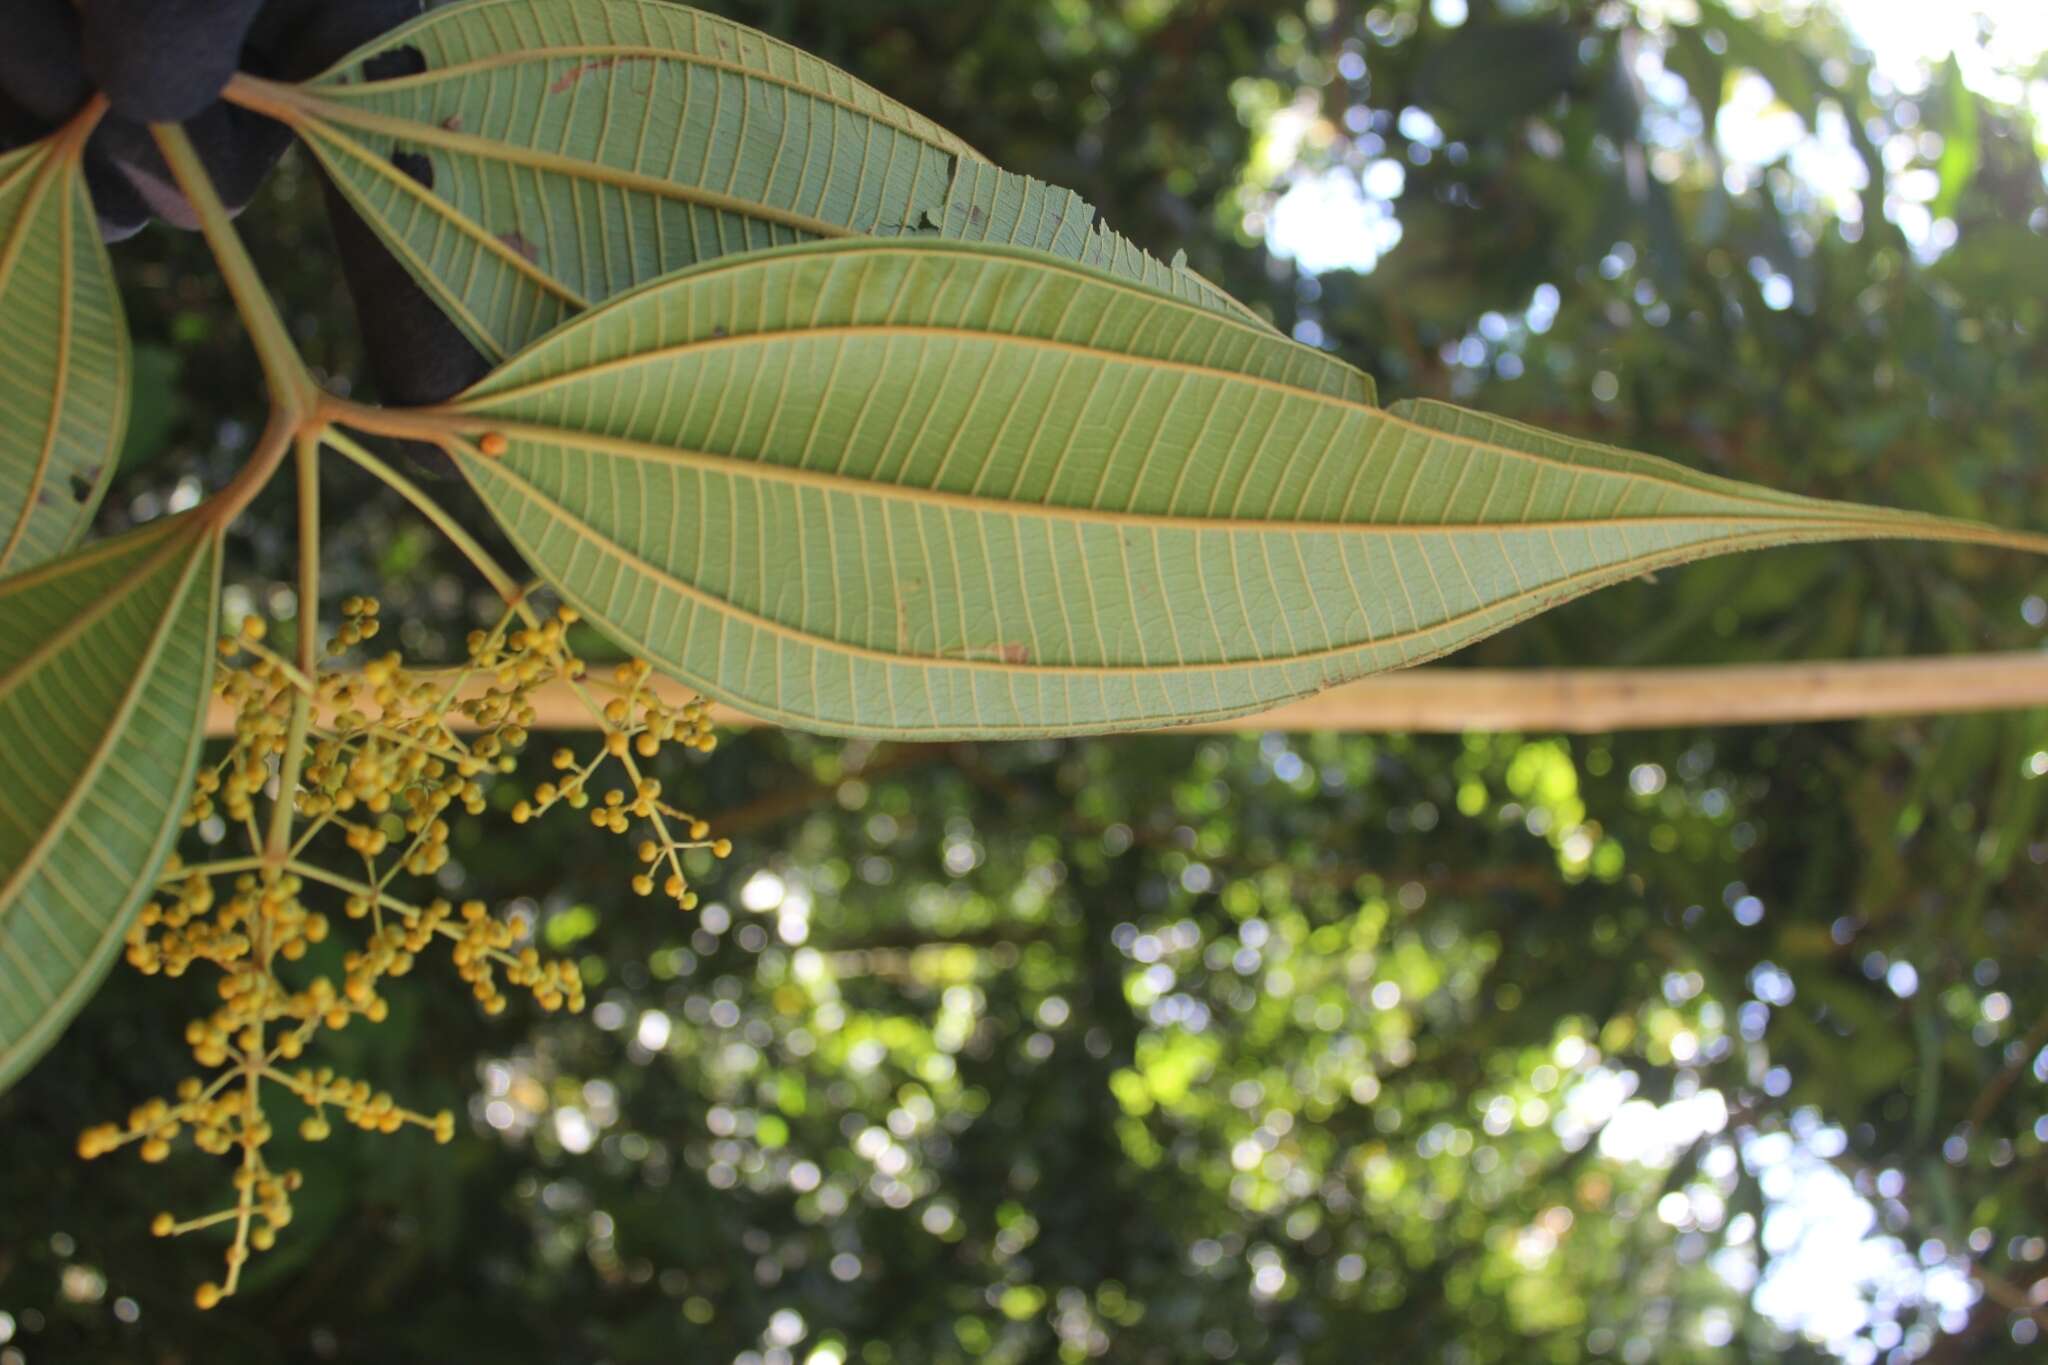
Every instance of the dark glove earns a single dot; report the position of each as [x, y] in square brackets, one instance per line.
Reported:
[167, 61]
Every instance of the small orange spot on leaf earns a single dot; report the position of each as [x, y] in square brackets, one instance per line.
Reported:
[567, 80]
[518, 242]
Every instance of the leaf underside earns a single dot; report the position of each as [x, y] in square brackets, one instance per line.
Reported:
[63, 357]
[578, 148]
[105, 662]
[931, 489]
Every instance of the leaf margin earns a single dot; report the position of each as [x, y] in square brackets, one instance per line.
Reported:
[202, 574]
[1808, 520]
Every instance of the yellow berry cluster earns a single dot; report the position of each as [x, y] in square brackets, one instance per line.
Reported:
[638, 722]
[379, 756]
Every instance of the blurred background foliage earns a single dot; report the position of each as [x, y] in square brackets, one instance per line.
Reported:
[1683, 1046]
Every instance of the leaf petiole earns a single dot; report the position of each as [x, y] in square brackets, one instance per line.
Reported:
[502, 582]
[292, 389]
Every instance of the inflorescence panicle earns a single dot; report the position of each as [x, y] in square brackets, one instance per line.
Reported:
[386, 756]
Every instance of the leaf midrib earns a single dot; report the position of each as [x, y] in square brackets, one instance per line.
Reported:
[483, 403]
[117, 724]
[860, 248]
[1788, 532]
[117, 592]
[66, 283]
[58, 1013]
[434, 18]
[826, 481]
[309, 108]
[11, 251]
[356, 90]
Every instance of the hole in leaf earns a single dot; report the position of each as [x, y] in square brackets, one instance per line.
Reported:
[416, 165]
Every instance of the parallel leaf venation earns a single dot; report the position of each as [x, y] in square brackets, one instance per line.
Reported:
[105, 659]
[939, 488]
[63, 357]
[578, 148]
[599, 34]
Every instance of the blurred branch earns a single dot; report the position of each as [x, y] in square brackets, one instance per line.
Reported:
[1566, 700]
[1995, 1090]
[785, 803]
[2008, 1295]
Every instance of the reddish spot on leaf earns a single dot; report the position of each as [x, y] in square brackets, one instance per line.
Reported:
[568, 79]
[453, 123]
[517, 242]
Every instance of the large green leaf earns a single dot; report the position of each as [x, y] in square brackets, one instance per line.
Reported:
[923, 488]
[63, 355]
[572, 149]
[105, 663]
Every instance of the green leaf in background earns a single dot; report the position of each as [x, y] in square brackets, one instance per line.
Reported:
[2000, 253]
[1749, 42]
[1958, 140]
[554, 153]
[63, 355]
[106, 657]
[156, 402]
[1703, 71]
[925, 488]
[1483, 74]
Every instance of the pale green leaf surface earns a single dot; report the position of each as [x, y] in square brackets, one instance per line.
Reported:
[63, 357]
[933, 489]
[581, 147]
[105, 662]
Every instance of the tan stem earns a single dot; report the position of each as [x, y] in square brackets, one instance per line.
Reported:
[278, 844]
[292, 390]
[1567, 700]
